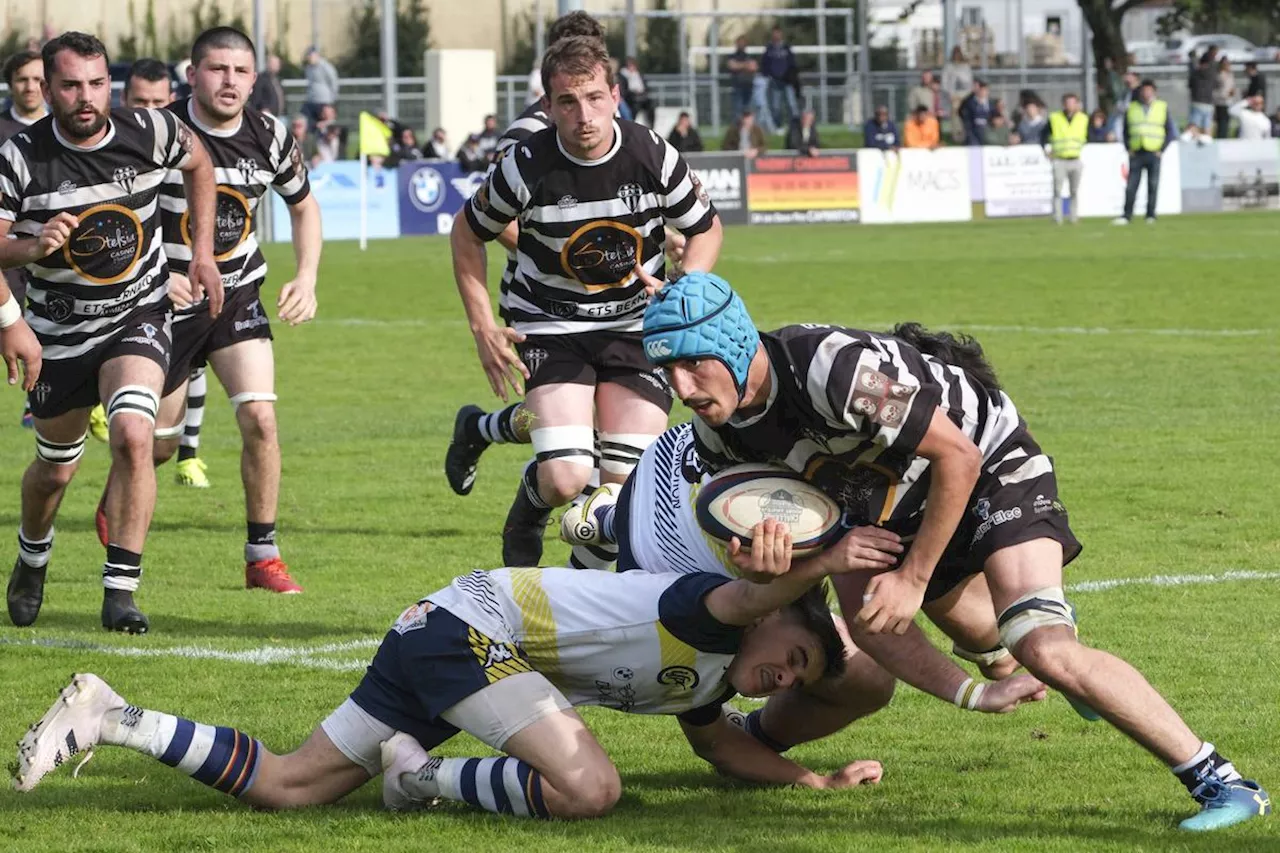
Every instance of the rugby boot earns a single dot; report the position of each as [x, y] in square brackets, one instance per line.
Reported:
[119, 613]
[98, 426]
[1224, 804]
[580, 524]
[192, 472]
[463, 455]
[271, 575]
[25, 593]
[71, 727]
[522, 532]
[28, 419]
[402, 755]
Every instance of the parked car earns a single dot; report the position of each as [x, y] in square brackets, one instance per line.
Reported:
[1236, 49]
[1146, 52]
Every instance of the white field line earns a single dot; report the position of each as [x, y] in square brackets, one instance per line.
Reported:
[320, 657]
[422, 323]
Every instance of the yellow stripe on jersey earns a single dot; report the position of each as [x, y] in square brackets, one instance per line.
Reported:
[678, 668]
[717, 547]
[498, 660]
[541, 644]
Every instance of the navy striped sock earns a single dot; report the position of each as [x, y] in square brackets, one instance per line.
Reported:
[503, 785]
[222, 758]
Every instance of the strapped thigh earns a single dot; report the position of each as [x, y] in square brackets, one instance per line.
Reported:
[133, 400]
[1039, 609]
[574, 444]
[60, 453]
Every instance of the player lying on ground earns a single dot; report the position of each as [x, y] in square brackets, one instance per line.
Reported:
[505, 655]
[912, 431]
[666, 538]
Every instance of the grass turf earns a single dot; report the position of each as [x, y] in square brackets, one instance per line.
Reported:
[1117, 347]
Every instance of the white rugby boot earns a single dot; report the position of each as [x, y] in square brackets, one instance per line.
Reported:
[579, 525]
[72, 726]
[403, 755]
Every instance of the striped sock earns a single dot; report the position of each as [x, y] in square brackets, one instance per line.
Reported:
[1204, 764]
[503, 785]
[222, 758]
[500, 427]
[35, 552]
[122, 570]
[197, 390]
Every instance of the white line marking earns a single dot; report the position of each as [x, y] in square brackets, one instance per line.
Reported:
[1173, 580]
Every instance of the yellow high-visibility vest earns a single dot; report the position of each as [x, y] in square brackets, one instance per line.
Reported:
[1147, 126]
[1068, 135]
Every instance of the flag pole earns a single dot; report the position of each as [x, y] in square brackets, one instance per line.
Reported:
[364, 201]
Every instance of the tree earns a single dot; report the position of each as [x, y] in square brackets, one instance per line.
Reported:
[413, 36]
[662, 47]
[1107, 39]
[1257, 20]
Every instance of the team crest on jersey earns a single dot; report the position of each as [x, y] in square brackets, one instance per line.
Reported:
[413, 618]
[630, 195]
[883, 400]
[67, 187]
[563, 310]
[247, 167]
[125, 176]
[59, 306]
[684, 677]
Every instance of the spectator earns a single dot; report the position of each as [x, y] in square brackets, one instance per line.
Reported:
[1195, 135]
[760, 103]
[742, 74]
[998, 133]
[1148, 131]
[1254, 123]
[880, 132]
[941, 104]
[922, 131]
[998, 108]
[1203, 81]
[394, 125]
[437, 146]
[923, 95]
[328, 120]
[1257, 83]
[1224, 95]
[322, 84]
[684, 136]
[329, 145]
[635, 92]
[405, 147]
[745, 136]
[1033, 125]
[1099, 129]
[778, 65]
[975, 113]
[1111, 83]
[300, 127]
[489, 135]
[802, 136]
[471, 156]
[268, 94]
[957, 81]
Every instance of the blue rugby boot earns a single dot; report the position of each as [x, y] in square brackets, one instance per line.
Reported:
[1224, 804]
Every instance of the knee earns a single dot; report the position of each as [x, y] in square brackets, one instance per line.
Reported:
[257, 422]
[561, 482]
[877, 687]
[132, 439]
[163, 449]
[51, 477]
[1000, 669]
[1052, 654]
[592, 793]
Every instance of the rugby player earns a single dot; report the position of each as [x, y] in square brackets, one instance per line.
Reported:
[912, 431]
[149, 86]
[23, 73]
[79, 189]
[251, 152]
[506, 655]
[592, 197]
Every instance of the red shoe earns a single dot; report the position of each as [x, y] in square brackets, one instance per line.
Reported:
[100, 520]
[270, 574]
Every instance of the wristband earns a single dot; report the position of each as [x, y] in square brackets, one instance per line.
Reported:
[10, 312]
[969, 693]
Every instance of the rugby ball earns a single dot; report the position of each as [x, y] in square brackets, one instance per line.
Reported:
[737, 499]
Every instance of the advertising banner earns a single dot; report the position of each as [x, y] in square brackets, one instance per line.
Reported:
[1018, 181]
[432, 194]
[1249, 173]
[783, 190]
[724, 178]
[1106, 173]
[1201, 188]
[915, 185]
[336, 187]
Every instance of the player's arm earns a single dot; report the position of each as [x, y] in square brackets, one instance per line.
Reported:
[17, 342]
[297, 301]
[687, 208]
[178, 148]
[741, 602]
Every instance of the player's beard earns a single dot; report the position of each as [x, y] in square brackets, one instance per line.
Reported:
[77, 128]
[219, 110]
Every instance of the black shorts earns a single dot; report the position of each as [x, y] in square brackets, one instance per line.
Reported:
[17, 280]
[196, 335]
[430, 661]
[67, 384]
[1001, 515]
[594, 358]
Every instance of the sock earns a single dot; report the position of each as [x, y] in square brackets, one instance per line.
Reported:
[500, 427]
[219, 757]
[261, 544]
[755, 728]
[599, 557]
[122, 570]
[529, 483]
[605, 516]
[503, 785]
[35, 552]
[1204, 764]
[197, 390]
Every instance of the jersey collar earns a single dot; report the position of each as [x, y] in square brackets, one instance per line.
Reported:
[13, 114]
[741, 423]
[103, 143]
[613, 149]
[212, 131]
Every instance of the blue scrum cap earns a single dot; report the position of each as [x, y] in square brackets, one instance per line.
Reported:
[700, 316]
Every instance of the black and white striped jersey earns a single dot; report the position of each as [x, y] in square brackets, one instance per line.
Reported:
[848, 408]
[113, 264]
[11, 125]
[533, 119]
[258, 154]
[584, 225]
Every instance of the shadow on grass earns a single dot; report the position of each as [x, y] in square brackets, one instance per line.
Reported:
[176, 626]
[235, 527]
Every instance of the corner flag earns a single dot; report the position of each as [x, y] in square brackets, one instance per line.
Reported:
[373, 136]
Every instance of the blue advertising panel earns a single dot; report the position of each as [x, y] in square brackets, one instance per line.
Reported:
[432, 193]
[336, 187]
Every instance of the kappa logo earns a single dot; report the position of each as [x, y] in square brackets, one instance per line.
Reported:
[125, 176]
[497, 653]
[534, 358]
[660, 348]
[247, 167]
[67, 187]
[630, 195]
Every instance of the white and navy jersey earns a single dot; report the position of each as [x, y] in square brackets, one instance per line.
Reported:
[584, 225]
[113, 264]
[633, 642]
[847, 408]
[258, 154]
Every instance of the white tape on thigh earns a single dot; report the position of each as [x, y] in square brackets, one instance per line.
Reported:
[494, 713]
[252, 397]
[133, 400]
[620, 451]
[358, 735]
[60, 453]
[996, 655]
[1039, 609]
[170, 432]
[573, 444]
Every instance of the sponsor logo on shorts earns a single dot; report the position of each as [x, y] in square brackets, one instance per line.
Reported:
[498, 660]
[991, 519]
[41, 392]
[256, 319]
[659, 348]
[1041, 505]
[413, 618]
[684, 677]
[657, 380]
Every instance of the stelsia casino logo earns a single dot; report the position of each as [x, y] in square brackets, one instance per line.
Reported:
[232, 222]
[601, 254]
[106, 245]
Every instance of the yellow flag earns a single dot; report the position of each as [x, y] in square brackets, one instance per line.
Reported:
[373, 136]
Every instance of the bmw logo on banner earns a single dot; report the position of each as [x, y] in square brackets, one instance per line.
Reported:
[432, 195]
[426, 189]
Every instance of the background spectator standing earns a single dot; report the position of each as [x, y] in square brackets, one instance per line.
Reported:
[1117, 115]
[921, 131]
[404, 147]
[1033, 124]
[471, 156]
[684, 136]
[745, 136]
[437, 147]
[923, 95]
[322, 84]
[957, 83]
[1111, 82]
[802, 136]
[1202, 81]
[1148, 130]
[1224, 95]
[489, 135]
[778, 64]
[1100, 128]
[1257, 83]
[635, 92]
[1254, 123]
[268, 94]
[742, 74]
[329, 145]
[975, 113]
[997, 131]
[880, 132]
[1275, 125]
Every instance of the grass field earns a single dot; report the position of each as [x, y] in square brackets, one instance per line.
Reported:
[1144, 359]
